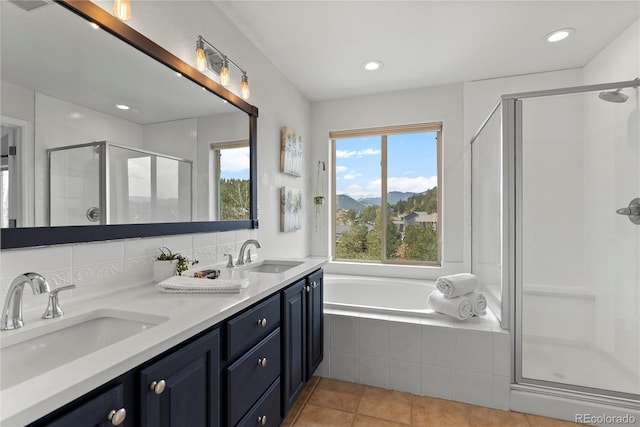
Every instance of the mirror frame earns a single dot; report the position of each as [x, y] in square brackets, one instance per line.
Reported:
[42, 236]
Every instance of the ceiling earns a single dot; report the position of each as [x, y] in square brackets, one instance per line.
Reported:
[320, 46]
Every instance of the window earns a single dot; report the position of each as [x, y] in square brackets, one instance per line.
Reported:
[231, 175]
[397, 167]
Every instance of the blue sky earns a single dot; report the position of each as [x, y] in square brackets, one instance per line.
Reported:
[412, 164]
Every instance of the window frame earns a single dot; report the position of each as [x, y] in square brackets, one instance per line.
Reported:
[383, 132]
[215, 154]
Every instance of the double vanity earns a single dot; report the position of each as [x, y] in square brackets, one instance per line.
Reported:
[139, 357]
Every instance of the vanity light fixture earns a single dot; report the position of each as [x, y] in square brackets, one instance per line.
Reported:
[122, 9]
[558, 35]
[244, 87]
[209, 57]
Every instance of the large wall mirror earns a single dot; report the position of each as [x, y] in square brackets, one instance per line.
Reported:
[107, 135]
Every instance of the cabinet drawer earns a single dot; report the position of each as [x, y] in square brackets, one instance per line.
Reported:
[94, 412]
[245, 330]
[251, 375]
[267, 411]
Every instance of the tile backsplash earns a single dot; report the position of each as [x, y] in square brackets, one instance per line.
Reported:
[97, 266]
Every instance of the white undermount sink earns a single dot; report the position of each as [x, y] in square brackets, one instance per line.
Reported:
[271, 266]
[27, 354]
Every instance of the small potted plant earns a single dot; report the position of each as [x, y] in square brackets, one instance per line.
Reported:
[169, 264]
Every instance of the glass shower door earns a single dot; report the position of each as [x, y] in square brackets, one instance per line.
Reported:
[578, 243]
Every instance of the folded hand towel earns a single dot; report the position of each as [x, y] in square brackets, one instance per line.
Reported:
[478, 303]
[456, 285]
[189, 285]
[458, 307]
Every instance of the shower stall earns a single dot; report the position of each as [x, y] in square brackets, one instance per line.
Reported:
[556, 239]
[105, 183]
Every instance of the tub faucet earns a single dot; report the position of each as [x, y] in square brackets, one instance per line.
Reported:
[12, 312]
[241, 257]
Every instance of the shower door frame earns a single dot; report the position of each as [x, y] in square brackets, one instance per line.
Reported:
[512, 187]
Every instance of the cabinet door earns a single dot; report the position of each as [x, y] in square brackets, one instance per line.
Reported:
[183, 388]
[315, 322]
[294, 343]
[251, 375]
[100, 411]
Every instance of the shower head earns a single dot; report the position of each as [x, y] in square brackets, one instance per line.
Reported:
[613, 96]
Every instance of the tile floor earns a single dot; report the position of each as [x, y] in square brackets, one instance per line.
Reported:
[332, 403]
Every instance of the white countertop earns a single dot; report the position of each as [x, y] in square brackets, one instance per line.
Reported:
[188, 314]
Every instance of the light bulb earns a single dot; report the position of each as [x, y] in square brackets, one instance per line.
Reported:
[122, 9]
[244, 87]
[201, 59]
[224, 73]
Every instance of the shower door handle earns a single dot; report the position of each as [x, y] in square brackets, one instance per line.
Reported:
[632, 211]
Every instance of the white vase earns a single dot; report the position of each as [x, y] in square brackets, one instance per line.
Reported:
[164, 269]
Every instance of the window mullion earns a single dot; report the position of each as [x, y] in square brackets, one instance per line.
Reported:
[383, 200]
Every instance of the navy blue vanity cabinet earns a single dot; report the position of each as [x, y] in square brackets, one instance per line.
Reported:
[315, 321]
[267, 411]
[294, 348]
[302, 348]
[253, 372]
[183, 387]
[105, 409]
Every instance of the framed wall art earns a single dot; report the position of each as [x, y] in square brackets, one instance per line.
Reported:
[290, 209]
[291, 152]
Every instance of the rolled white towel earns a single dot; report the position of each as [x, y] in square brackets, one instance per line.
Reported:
[458, 307]
[478, 303]
[456, 285]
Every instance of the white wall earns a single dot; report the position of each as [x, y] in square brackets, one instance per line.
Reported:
[611, 180]
[422, 105]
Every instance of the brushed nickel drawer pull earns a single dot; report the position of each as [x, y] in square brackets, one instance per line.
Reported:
[262, 322]
[158, 386]
[117, 417]
[262, 361]
[262, 420]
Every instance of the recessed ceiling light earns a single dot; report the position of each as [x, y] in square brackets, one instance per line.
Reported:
[558, 35]
[122, 107]
[372, 65]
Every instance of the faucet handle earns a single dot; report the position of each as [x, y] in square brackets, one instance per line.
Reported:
[229, 260]
[53, 307]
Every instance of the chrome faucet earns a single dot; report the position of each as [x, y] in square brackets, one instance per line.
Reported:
[12, 312]
[241, 257]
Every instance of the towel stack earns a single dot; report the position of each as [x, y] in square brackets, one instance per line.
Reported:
[193, 285]
[457, 296]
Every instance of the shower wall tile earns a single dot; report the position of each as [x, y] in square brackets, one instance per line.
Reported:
[474, 351]
[501, 389]
[404, 342]
[405, 376]
[438, 346]
[373, 371]
[438, 382]
[373, 338]
[474, 388]
[438, 361]
[344, 366]
[344, 334]
[501, 357]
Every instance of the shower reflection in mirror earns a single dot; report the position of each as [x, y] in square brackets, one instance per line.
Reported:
[105, 183]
